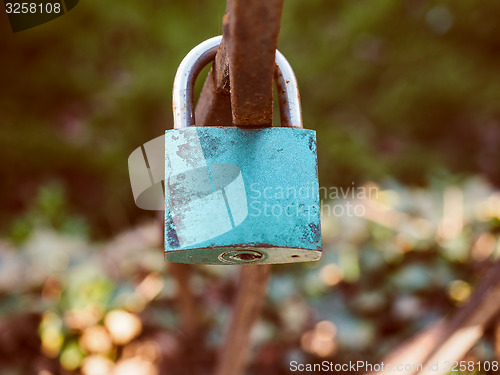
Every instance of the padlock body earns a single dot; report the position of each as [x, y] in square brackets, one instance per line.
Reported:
[241, 196]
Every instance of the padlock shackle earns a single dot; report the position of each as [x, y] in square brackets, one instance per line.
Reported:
[288, 93]
[203, 54]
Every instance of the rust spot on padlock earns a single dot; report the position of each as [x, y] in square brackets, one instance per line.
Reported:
[312, 145]
[184, 151]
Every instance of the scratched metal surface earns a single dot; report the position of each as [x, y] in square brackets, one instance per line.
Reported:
[250, 190]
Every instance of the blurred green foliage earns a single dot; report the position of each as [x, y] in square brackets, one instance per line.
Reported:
[394, 88]
[378, 283]
[398, 90]
[80, 93]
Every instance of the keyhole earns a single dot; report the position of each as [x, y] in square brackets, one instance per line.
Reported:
[241, 256]
[247, 256]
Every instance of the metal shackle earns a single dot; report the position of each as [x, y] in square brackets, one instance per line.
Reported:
[203, 54]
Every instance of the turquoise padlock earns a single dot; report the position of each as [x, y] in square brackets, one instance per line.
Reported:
[238, 195]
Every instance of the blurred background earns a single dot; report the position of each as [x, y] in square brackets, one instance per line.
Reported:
[404, 95]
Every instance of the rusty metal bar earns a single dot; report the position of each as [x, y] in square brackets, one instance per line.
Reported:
[251, 292]
[239, 90]
[214, 105]
[253, 28]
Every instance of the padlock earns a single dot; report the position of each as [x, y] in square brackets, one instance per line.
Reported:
[240, 195]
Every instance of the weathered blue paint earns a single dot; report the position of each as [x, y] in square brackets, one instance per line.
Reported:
[236, 196]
